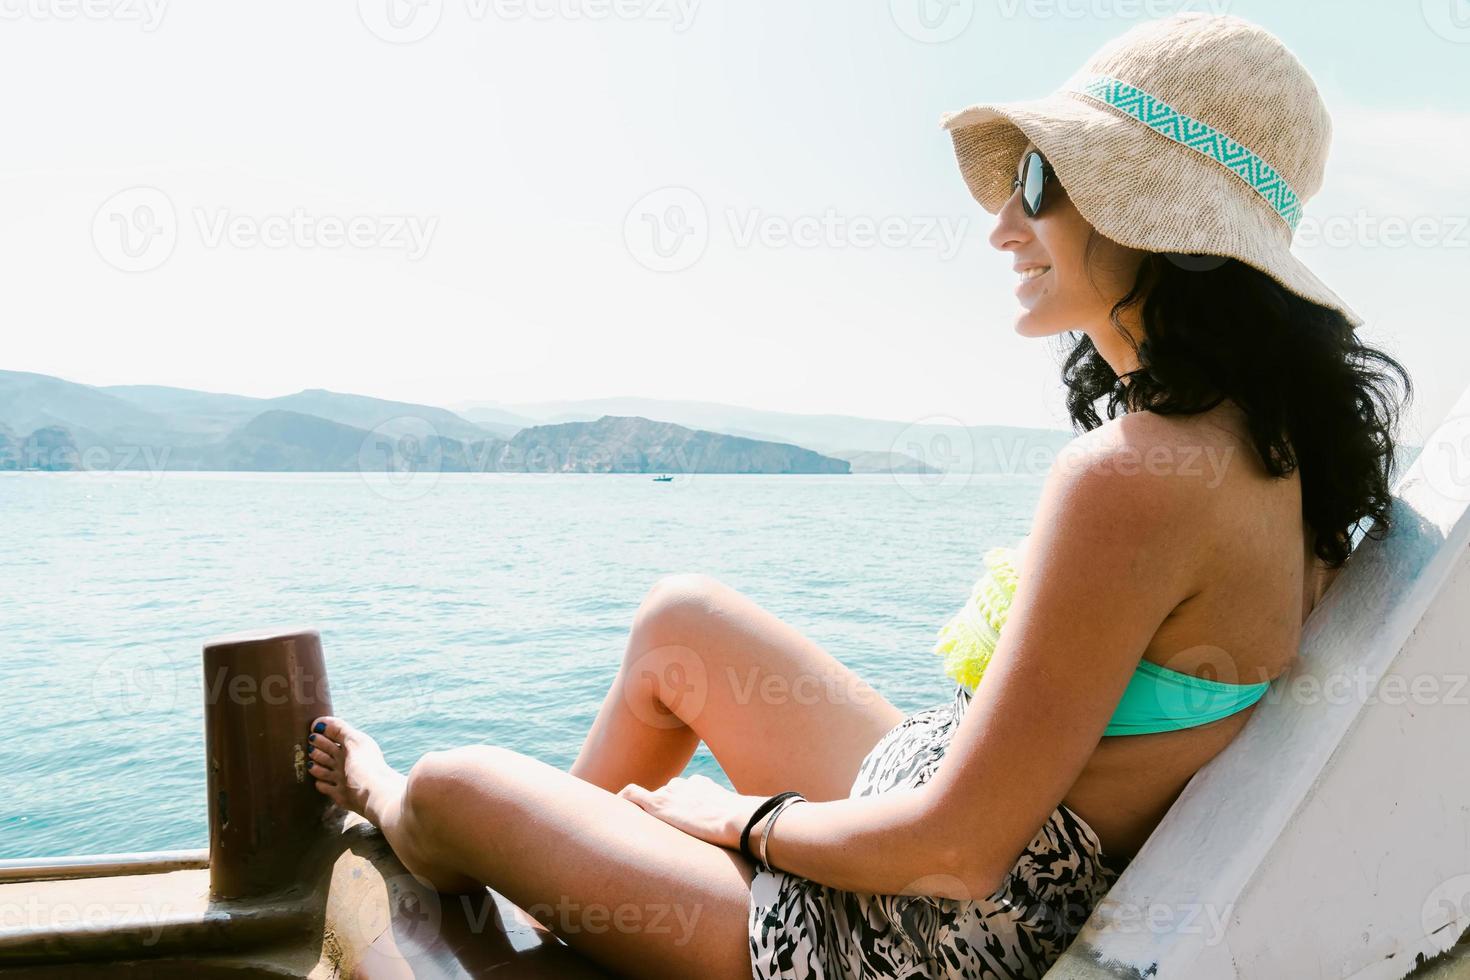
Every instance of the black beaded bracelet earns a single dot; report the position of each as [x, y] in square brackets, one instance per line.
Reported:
[755, 817]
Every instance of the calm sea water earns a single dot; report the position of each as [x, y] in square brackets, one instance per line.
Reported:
[471, 608]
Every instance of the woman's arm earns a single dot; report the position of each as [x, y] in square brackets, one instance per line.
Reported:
[1116, 547]
[881, 844]
[1113, 552]
[884, 844]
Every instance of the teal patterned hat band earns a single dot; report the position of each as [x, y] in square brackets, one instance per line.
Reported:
[1164, 119]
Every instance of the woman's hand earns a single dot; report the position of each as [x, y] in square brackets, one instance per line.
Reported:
[699, 806]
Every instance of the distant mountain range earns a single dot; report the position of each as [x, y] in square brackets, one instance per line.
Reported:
[928, 444]
[53, 424]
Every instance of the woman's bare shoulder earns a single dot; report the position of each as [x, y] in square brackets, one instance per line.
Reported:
[1183, 458]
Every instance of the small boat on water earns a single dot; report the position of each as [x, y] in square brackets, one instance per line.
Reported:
[663, 479]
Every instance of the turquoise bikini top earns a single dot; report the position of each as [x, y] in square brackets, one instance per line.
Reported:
[1157, 699]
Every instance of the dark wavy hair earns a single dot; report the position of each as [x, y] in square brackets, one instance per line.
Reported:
[1317, 398]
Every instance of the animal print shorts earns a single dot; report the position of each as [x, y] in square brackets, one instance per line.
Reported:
[801, 930]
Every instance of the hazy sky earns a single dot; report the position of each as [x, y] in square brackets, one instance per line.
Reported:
[444, 200]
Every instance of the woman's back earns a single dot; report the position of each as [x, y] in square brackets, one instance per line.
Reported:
[1256, 580]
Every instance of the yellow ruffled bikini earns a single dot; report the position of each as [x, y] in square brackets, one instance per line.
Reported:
[968, 640]
[1157, 699]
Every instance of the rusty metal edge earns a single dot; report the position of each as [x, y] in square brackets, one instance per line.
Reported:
[101, 865]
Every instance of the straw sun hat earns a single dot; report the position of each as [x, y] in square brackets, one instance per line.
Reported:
[1196, 133]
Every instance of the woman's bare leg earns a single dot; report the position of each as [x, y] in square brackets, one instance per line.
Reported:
[702, 662]
[705, 662]
[616, 883]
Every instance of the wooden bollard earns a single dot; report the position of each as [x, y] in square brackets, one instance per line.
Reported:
[261, 692]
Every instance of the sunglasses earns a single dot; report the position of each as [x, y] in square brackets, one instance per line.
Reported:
[1035, 173]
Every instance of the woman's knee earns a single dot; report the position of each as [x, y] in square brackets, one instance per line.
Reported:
[439, 782]
[678, 600]
[432, 782]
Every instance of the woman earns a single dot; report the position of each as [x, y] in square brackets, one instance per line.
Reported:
[1148, 207]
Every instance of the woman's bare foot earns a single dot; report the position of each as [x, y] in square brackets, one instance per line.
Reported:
[349, 768]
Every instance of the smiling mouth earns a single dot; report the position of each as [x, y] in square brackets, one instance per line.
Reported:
[1032, 273]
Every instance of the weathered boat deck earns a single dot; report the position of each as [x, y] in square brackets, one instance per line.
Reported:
[355, 913]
